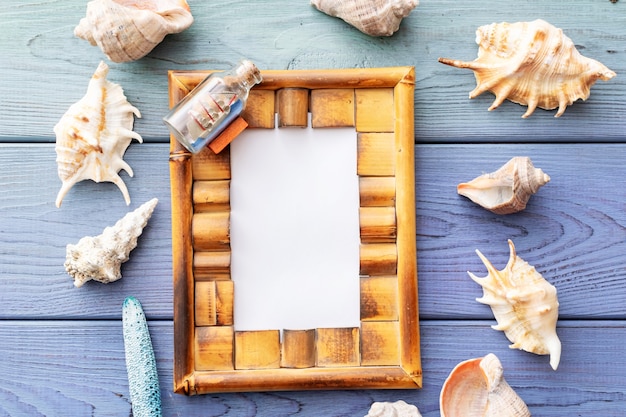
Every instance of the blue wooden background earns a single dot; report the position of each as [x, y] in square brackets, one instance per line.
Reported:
[61, 347]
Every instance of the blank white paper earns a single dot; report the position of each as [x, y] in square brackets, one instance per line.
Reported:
[295, 228]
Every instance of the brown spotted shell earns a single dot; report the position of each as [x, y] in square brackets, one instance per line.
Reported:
[92, 136]
[533, 64]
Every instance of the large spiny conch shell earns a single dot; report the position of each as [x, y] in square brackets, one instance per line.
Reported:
[508, 189]
[127, 30]
[101, 257]
[373, 17]
[533, 64]
[477, 388]
[524, 304]
[396, 409]
[93, 135]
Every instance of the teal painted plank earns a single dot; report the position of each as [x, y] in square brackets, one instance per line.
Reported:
[49, 68]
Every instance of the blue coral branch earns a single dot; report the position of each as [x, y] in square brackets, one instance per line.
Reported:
[143, 380]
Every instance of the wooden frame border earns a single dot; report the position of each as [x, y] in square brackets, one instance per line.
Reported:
[400, 326]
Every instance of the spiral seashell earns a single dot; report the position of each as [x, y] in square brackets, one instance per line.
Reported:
[508, 189]
[524, 304]
[533, 64]
[100, 258]
[126, 30]
[143, 379]
[93, 135]
[372, 17]
[477, 388]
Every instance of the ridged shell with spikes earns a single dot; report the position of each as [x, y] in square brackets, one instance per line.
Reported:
[524, 304]
[533, 64]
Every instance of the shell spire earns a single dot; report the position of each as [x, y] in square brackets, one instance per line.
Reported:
[372, 17]
[143, 379]
[477, 388]
[93, 135]
[100, 258]
[508, 189]
[524, 304]
[533, 64]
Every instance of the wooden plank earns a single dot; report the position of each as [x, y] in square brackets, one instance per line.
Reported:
[298, 37]
[379, 298]
[369, 103]
[61, 353]
[376, 154]
[571, 231]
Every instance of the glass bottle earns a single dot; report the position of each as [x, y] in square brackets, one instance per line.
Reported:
[210, 107]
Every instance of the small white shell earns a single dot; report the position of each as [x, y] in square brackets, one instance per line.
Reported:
[101, 257]
[127, 30]
[477, 388]
[524, 304]
[508, 189]
[93, 135]
[396, 409]
[373, 17]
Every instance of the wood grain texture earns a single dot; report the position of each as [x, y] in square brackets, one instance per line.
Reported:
[51, 380]
[293, 35]
[62, 347]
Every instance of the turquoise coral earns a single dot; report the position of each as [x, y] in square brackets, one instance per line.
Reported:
[143, 380]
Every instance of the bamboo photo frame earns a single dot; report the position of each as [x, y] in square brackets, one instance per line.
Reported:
[384, 352]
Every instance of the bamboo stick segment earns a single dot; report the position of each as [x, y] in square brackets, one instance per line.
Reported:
[207, 165]
[377, 191]
[211, 196]
[332, 108]
[258, 349]
[260, 110]
[379, 298]
[214, 302]
[293, 107]
[211, 266]
[375, 110]
[379, 343]
[376, 154]
[298, 349]
[407, 251]
[377, 224]
[378, 259]
[213, 346]
[338, 347]
[211, 231]
[229, 134]
[205, 303]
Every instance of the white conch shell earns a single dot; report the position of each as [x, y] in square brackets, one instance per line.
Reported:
[373, 17]
[396, 409]
[533, 64]
[508, 189]
[93, 135]
[477, 388]
[127, 30]
[524, 304]
[101, 257]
